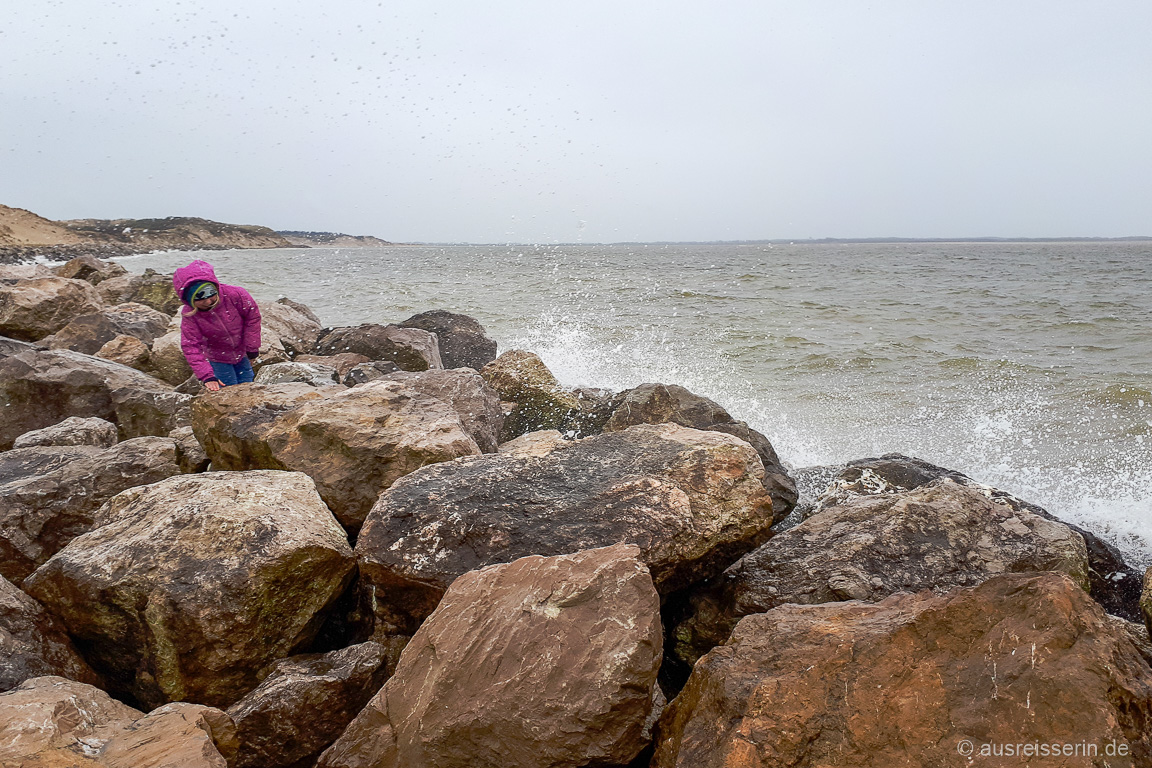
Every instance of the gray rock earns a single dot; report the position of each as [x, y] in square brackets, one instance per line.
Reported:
[71, 431]
[33, 643]
[307, 373]
[462, 340]
[411, 349]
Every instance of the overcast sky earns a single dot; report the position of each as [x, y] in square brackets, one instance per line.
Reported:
[540, 121]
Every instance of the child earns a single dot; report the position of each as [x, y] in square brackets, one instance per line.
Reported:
[219, 327]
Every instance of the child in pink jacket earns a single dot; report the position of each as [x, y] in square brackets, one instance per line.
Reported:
[219, 326]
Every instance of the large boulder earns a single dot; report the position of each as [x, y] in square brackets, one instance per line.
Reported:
[89, 332]
[39, 388]
[304, 704]
[1112, 582]
[71, 431]
[369, 371]
[463, 341]
[90, 269]
[692, 501]
[167, 359]
[295, 331]
[196, 582]
[50, 722]
[539, 662]
[33, 643]
[937, 537]
[42, 513]
[411, 349]
[536, 399]
[1023, 661]
[36, 307]
[19, 463]
[660, 403]
[343, 362]
[469, 395]
[353, 442]
[151, 288]
[129, 351]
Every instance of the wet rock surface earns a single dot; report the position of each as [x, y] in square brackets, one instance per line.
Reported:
[937, 537]
[304, 704]
[545, 661]
[193, 584]
[33, 308]
[692, 501]
[538, 402]
[411, 349]
[71, 431]
[305, 373]
[462, 340]
[40, 514]
[88, 333]
[1021, 659]
[33, 643]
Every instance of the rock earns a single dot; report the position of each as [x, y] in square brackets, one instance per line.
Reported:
[301, 308]
[1022, 661]
[129, 351]
[39, 388]
[71, 431]
[89, 332]
[50, 722]
[155, 290]
[1146, 600]
[462, 340]
[353, 442]
[539, 662]
[471, 397]
[190, 454]
[1112, 582]
[938, 537]
[119, 289]
[36, 307]
[1137, 633]
[692, 501]
[42, 513]
[410, 348]
[167, 359]
[539, 443]
[369, 371]
[24, 271]
[33, 643]
[89, 268]
[305, 373]
[660, 403]
[304, 704]
[343, 362]
[196, 582]
[20, 463]
[296, 332]
[539, 401]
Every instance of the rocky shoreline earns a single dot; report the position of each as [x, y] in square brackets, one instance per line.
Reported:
[401, 546]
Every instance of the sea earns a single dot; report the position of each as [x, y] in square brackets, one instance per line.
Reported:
[1023, 365]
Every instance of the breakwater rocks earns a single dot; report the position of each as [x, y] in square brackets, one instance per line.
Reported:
[401, 547]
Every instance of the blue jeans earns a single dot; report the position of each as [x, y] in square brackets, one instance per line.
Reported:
[230, 374]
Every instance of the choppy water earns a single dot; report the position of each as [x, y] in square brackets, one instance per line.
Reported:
[1024, 365]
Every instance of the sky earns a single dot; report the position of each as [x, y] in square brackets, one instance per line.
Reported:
[542, 122]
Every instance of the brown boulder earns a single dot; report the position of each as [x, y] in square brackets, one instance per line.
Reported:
[36, 307]
[190, 454]
[660, 403]
[89, 268]
[370, 371]
[353, 442]
[33, 643]
[1022, 661]
[196, 582]
[295, 331]
[50, 722]
[539, 402]
[343, 362]
[152, 289]
[71, 431]
[542, 662]
[42, 513]
[167, 359]
[937, 537]
[462, 340]
[468, 394]
[410, 348]
[39, 388]
[301, 308]
[305, 373]
[20, 463]
[89, 332]
[304, 704]
[129, 351]
[691, 500]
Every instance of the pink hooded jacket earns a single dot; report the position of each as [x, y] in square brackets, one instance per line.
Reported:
[223, 334]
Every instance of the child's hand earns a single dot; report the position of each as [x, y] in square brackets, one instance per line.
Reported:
[212, 386]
